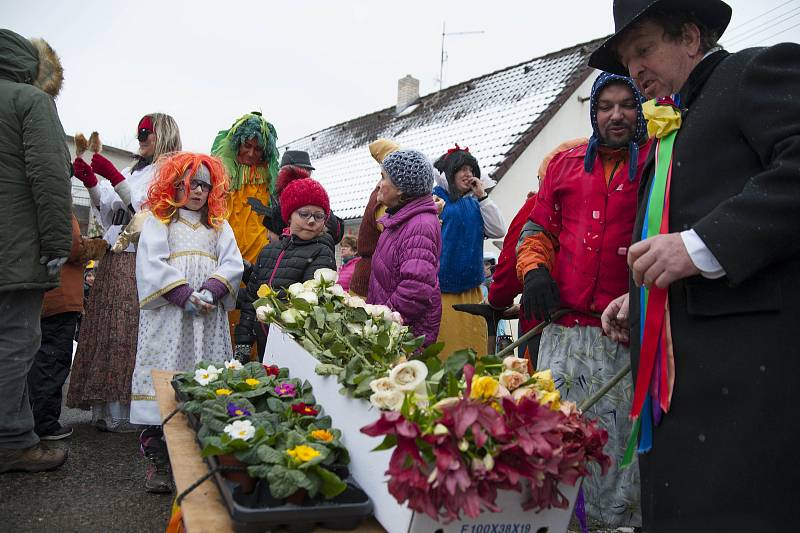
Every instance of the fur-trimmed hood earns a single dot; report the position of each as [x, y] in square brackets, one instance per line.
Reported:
[31, 61]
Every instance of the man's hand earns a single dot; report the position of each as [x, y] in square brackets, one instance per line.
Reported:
[615, 319]
[539, 294]
[660, 260]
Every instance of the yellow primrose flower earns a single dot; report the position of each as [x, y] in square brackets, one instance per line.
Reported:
[483, 387]
[322, 434]
[544, 380]
[551, 398]
[302, 453]
[264, 291]
[223, 392]
[661, 119]
[252, 382]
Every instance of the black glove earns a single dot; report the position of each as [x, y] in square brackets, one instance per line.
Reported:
[539, 294]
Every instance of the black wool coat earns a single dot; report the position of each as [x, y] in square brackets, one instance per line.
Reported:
[290, 260]
[724, 456]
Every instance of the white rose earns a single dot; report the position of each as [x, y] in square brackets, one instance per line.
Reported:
[290, 316]
[381, 385]
[295, 288]
[370, 309]
[511, 379]
[409, 376]
[240, 429]
[355, 329]
[233, 364]
[310, 284]
[308, 296]
[397, 317]
[263, 312]
[517, 364]
[356, 301]
[338, 291]
[391, 400]
[325, 275]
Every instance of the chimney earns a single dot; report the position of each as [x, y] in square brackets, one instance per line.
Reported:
[407, 92]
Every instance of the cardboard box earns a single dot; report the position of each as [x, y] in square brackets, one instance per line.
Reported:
[367, 467]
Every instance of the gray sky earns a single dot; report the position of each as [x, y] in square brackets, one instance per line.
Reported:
[305, 64]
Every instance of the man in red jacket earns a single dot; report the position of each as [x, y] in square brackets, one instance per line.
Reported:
[573, 254]
[505, 285]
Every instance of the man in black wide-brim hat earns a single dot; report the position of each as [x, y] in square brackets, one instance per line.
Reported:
[728, 253]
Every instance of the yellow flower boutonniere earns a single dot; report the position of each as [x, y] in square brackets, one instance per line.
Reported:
[663, 117]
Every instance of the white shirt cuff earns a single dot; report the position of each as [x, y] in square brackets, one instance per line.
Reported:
[701, 256]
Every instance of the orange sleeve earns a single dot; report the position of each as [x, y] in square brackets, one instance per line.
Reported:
[535, 250]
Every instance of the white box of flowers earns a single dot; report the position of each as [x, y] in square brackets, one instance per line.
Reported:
[469, 446]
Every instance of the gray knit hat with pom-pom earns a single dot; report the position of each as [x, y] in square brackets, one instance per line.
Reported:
[410, 171]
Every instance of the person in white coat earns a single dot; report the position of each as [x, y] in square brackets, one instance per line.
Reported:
[188, 270]
[106, 353]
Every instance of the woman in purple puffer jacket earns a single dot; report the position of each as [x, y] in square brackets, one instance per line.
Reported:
[405, 265]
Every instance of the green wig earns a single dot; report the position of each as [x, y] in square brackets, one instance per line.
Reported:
[226, 147]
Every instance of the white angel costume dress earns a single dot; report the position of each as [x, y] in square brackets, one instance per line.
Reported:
[184, 251]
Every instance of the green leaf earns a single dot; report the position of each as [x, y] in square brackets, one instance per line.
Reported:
[458, 360]
[319, 317]
[389, 442]
[383, 339]
[270, 455]
[281, 482]
[363, 387]
[275, 405]
[432, 350]
[452, 384]
[328, 369]
[331, 485]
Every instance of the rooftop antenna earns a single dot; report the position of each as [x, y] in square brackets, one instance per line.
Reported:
[444, 54]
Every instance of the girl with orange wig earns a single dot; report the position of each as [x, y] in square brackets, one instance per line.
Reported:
[188, 270]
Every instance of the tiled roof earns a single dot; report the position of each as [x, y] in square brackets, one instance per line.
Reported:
[496, 115]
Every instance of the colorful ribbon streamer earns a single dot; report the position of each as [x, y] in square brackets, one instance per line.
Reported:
[651, 395]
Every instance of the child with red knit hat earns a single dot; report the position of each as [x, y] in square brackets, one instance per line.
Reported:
[304, 248]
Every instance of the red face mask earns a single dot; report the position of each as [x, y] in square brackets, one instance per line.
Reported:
[144, 129]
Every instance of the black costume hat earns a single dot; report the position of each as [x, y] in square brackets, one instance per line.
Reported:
[297, 158]
[715, 14]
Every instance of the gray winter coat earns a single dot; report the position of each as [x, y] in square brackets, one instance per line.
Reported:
[34, 165]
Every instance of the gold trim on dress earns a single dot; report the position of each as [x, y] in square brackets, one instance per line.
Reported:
[225, 281]
[193, 226]
[191, 252]
[142, 397]
[160, 292]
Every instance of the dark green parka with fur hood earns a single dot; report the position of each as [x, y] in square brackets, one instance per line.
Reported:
[35, 190]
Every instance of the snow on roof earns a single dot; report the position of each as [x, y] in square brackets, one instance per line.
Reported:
[496, 115]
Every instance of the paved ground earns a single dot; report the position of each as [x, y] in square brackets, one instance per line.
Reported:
[99, 489]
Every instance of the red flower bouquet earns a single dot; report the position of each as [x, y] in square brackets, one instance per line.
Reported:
[451, 458]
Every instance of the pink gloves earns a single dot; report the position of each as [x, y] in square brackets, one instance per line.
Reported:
[84, 173]
[106, 168]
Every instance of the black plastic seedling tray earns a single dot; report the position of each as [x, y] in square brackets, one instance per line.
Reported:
[259, 512]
